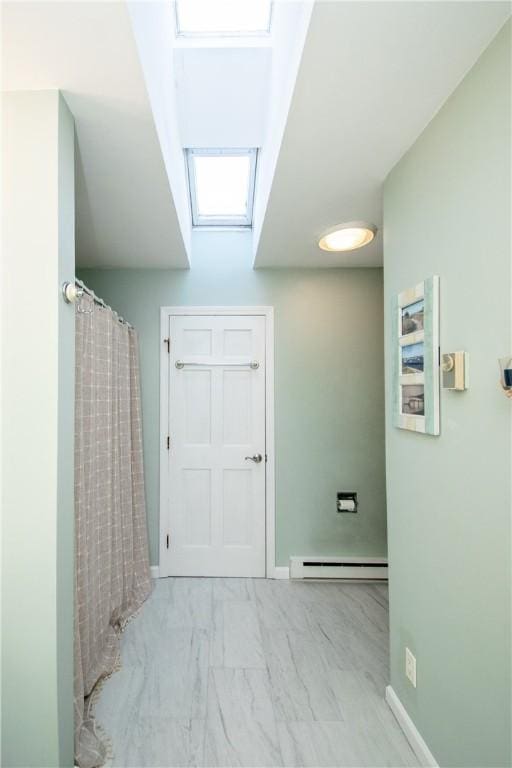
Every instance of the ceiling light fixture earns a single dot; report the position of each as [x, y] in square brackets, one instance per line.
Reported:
[347, 237]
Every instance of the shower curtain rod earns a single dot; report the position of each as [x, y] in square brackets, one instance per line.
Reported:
[100, 302]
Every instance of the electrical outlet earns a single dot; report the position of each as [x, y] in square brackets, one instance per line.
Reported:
[410, 666]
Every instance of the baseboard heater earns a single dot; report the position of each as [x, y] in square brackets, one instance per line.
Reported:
[348, 568]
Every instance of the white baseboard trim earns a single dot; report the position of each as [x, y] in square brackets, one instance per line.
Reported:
[414, 737]
[280, 572]
[339, 568]
[155, 571]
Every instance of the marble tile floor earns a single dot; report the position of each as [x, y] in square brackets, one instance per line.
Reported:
[254, 672]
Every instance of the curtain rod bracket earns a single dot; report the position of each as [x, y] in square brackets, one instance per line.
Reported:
[71, 292]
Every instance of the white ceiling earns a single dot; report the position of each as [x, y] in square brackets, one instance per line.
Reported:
[126, 216]
[372, 76]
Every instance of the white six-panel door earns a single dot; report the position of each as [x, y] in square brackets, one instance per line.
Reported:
[216, 488]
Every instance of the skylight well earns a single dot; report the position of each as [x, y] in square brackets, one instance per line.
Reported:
[221, 183]
[223, 17]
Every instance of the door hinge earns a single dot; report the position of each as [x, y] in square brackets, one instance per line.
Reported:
[167, 541]
[266, 458]
[168, 342]
[168, 443]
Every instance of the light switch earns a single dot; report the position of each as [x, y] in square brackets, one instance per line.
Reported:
[453, 366]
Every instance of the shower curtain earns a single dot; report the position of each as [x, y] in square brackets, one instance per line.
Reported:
[112, 577]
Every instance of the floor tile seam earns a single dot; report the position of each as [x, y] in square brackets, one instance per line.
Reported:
[269, 681]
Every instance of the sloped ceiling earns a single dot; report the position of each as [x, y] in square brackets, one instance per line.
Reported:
[372, 76]
[126, 215]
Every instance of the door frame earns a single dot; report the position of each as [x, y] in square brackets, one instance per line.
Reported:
[165, 409]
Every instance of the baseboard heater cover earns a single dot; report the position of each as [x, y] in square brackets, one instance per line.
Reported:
[349, 568]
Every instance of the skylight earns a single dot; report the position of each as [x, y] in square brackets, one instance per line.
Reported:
[221, 185]
[223, 17]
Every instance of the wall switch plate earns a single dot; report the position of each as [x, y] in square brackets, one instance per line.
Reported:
[410, 666]
[454, 371]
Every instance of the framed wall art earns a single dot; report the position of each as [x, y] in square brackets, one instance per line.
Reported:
[416, 358]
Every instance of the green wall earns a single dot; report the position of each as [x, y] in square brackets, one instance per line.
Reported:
[37, 432]
[447, 212]
[329, 396]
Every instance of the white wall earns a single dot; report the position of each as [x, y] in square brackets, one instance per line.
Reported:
[290, 23]
[153, 25]
[447, 211]
[37, 438]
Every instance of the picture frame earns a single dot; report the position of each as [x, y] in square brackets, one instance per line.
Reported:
[416, 370]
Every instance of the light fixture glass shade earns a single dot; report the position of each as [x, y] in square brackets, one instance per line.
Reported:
[348, 237]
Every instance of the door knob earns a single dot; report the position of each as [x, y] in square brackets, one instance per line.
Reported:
[256, 458]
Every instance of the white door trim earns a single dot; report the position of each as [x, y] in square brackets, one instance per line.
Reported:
[268, 312]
